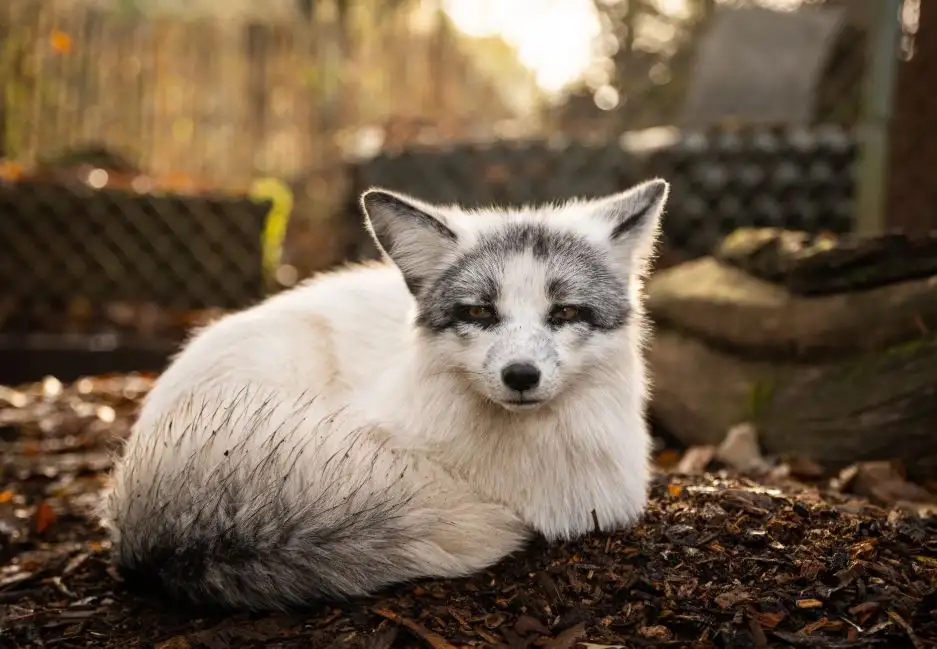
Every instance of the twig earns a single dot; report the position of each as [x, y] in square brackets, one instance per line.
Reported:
[432, 638]
[900, 621]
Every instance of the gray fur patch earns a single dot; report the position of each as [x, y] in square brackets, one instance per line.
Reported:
[231, 535]
[578, 273]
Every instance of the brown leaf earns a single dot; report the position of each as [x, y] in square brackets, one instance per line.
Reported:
[44, 517]
[695, 460]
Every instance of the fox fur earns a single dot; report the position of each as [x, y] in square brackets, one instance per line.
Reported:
[361, 429]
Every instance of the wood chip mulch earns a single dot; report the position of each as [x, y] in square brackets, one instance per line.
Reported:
[719, 561]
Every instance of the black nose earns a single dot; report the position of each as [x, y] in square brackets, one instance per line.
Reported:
[520, 376]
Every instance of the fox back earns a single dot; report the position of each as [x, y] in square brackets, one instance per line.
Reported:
[419, 417]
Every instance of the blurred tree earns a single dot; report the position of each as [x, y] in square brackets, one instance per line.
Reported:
[645, 54]
[643, 59]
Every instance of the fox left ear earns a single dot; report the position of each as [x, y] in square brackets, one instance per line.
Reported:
[412, 233]
[634, 216]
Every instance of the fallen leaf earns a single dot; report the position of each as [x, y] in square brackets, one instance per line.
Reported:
[695, 460]
[44, 517]
[740, 450]
[674, 489]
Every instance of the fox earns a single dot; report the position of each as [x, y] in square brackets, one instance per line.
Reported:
[423, 415]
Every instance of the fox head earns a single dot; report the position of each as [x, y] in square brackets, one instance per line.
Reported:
[522, 303]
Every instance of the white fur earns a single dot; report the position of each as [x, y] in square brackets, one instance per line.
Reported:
[415, 423]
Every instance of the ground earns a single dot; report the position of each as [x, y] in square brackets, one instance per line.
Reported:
[719, 561]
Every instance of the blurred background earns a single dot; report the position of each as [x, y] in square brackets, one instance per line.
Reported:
[164, 160]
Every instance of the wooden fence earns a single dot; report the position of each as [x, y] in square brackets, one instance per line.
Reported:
[221, 100]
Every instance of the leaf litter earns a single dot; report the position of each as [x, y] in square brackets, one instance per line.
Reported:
[720, 560]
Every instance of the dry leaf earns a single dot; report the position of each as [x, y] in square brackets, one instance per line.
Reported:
[740, 450]
[695, 460]
[44, 518]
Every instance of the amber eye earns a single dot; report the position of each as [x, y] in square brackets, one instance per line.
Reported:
[479, 312]
[564, 314]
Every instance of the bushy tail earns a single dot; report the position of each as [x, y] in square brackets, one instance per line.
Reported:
[240, 503]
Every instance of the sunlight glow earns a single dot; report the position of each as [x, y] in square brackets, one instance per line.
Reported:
[553, 38]
[558, 39]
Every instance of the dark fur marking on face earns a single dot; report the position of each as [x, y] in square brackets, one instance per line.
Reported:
[578, 273]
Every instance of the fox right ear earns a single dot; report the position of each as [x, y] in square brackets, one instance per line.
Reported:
[411, 233]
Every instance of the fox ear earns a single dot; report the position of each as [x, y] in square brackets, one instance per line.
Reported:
[634, 216]
[411, 233]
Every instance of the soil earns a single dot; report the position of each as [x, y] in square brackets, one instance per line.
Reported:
[719, 561]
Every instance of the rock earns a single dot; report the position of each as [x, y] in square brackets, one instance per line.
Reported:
[833, 379]
[700, 392]
[726, 306]
[878, 405]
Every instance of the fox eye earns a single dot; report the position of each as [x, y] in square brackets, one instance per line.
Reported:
[565, 313]
[478, 313]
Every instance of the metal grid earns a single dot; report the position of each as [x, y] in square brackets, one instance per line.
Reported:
[722, 179]
[83, 260]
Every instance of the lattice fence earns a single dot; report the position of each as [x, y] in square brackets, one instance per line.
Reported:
[722, 179]
[85, 260]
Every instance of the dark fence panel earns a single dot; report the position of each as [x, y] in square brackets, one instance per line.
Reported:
[722, 179]
[75, 258]
[99, 281]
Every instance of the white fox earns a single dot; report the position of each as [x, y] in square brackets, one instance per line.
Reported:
[418, 417]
